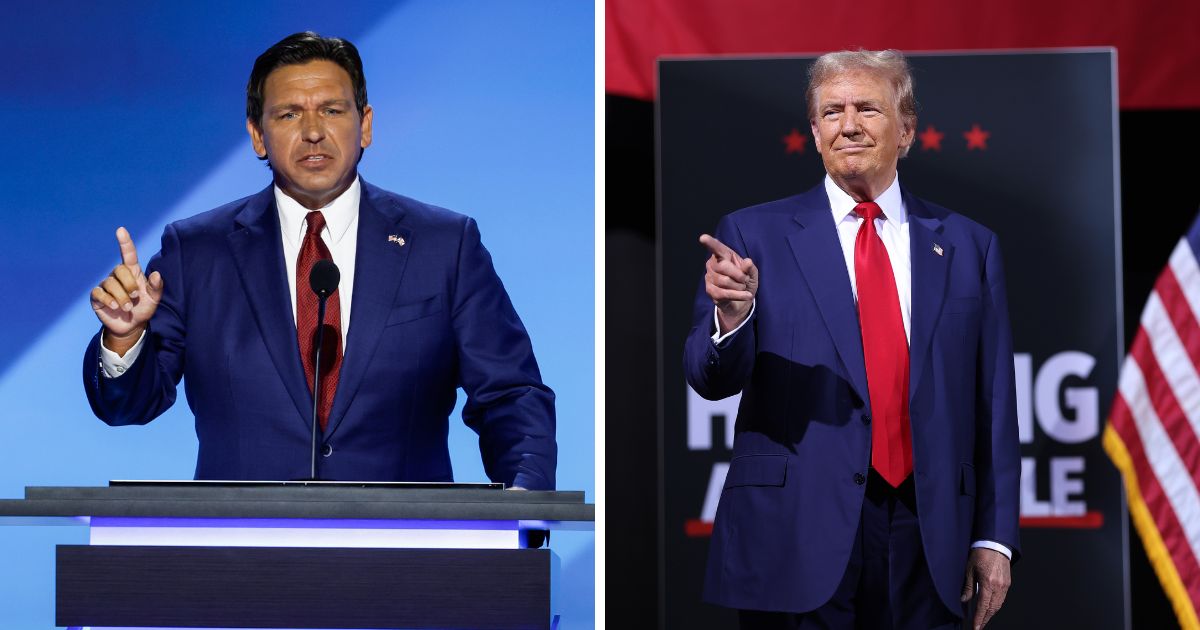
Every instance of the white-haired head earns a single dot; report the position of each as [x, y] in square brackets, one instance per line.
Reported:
[889, 65]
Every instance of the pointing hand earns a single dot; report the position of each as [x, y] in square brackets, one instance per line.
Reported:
[731, 281]
[126, 299]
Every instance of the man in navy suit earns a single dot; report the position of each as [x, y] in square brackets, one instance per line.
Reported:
[226, 303]
[875, 470]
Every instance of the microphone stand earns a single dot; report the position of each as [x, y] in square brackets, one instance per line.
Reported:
[321, 297]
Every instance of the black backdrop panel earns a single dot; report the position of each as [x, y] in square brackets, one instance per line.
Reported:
[1024, 143]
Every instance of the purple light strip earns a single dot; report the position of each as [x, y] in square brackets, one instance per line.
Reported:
[301, 523]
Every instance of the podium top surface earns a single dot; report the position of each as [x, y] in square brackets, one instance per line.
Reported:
[301, 500]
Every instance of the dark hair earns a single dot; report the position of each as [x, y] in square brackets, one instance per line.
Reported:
[301, 48]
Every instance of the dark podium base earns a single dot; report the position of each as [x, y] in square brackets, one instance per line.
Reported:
[280, 587]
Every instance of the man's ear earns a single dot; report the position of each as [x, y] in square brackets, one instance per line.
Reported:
[908, 132]
[368, 115]
[256, 138]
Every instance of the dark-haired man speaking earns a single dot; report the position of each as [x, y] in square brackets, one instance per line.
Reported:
[226, 303]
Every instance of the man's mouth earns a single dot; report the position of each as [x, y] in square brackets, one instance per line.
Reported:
[315, 162]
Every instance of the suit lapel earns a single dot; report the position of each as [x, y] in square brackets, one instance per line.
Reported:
[819, 255]
[378, 268]
[258, 253]
[931, 256]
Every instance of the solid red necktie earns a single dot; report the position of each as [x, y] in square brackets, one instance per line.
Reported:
[885, 351]
[312, 249]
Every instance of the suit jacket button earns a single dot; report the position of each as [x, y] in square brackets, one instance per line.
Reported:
[866, 419]
[859, 478]
[327, 450]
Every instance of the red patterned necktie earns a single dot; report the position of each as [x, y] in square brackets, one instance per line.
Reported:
[312, 249]
[885, 350]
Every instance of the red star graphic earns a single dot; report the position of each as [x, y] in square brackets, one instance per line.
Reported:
[931, 139]
[977, 138]
[795, 141]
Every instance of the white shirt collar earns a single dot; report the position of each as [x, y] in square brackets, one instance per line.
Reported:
[339, 213]
[890, 201]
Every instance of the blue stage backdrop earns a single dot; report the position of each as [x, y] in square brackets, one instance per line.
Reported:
[132, 113]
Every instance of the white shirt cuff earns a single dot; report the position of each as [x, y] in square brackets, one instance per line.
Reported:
[994, 546]
[717, 337]
[112, 364]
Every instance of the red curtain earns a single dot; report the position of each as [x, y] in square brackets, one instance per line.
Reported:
[1158, 43]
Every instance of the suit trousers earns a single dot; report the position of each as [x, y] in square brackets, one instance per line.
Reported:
[886, 586]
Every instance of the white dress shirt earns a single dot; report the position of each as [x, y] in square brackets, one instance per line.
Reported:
[892, 227]
[340, 236]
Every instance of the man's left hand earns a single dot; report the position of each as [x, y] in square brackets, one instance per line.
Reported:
[990, 569]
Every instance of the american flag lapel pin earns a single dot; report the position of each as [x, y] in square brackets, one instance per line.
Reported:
[937, 249]
[393, 238]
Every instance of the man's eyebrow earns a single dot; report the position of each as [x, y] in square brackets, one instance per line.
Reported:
[858, 103]
[284, 107]
[868, 101]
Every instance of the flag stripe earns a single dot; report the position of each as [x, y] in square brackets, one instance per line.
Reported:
[1161, 391]
[1153, 435]
[1177, 307]
[1173, 358]
[1166, 471]
[1187, 273]
[1157, 504]
[1152, 491]
[1156, 551]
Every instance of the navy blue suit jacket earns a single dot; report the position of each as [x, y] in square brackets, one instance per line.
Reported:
[792, 499]
[428, 317]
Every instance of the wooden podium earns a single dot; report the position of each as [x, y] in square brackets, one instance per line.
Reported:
[306, 554]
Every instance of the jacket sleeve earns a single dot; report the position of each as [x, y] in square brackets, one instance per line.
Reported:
[148, 387]
[507, 403]
[719, 371]
[997, 447]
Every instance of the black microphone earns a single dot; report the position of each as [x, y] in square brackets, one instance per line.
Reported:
[323, 279]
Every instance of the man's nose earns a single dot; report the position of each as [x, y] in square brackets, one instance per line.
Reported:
[313, 129]
[850, 126]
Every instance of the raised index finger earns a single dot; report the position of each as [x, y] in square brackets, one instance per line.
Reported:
[128, 251]
[718, 249]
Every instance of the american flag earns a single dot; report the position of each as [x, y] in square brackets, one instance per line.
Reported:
[1153, 436]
